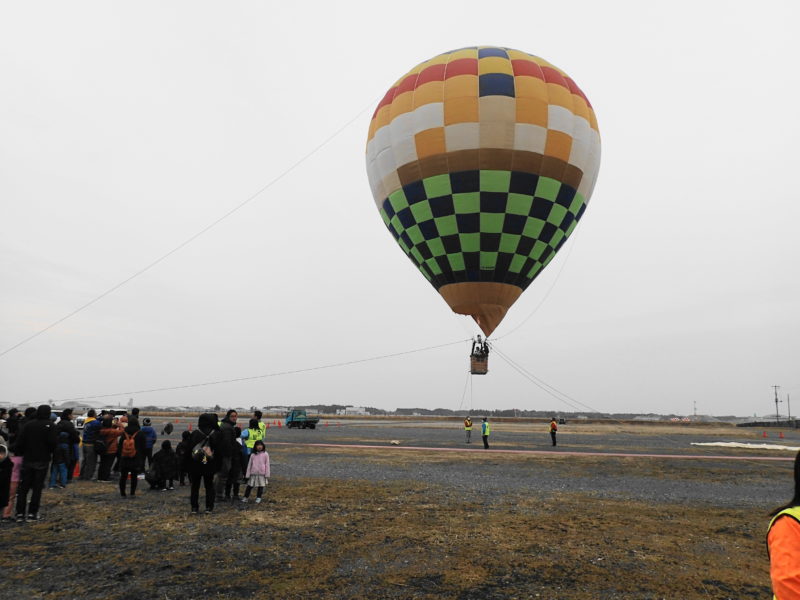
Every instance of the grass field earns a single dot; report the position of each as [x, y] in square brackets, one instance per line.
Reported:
[322, 537]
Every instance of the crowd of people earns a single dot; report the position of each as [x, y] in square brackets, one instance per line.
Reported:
[218, 454]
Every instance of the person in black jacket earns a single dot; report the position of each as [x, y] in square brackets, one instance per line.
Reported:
[182, 449]
[164, 468]
[199, 468]
[229, 451]
[35, 444]
[66, 425]
[131, 464]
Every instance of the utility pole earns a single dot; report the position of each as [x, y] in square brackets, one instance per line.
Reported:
[695, 409]
[788, 408]
[777, 414]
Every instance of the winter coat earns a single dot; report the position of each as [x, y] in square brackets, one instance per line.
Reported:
[37, 440]
[165, 465]
[227, 433]
[6, 468]
[61, 454]
[150, 436]
[67, 426]
[110, 435]
[206, 427]
[132, 462]
[91, 428]
[258, 465]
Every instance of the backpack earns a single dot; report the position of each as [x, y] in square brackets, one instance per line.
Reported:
[129, 445]
[202, 451]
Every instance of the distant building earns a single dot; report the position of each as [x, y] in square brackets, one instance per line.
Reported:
[352, 410]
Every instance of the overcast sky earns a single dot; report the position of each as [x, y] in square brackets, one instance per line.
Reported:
[128, 128]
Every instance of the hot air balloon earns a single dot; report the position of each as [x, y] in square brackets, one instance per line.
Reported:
[481, 162]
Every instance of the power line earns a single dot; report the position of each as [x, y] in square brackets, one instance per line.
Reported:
[559, 395]
[194, 236]
[267, 375]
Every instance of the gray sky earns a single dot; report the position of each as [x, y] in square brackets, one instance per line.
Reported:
[125, 129]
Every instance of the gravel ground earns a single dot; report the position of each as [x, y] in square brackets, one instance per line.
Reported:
[734, 483]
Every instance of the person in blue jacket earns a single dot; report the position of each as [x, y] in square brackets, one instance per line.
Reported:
[150, 437]
[91, 429]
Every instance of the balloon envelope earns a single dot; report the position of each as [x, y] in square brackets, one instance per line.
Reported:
[481, 162]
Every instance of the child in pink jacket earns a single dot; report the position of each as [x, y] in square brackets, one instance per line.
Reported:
[257, 471]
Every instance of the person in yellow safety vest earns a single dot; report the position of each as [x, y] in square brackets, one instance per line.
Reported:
[485, 431]
[783, 544]
[553, 430]
[254, 434]
[262, 426]
[468, 427]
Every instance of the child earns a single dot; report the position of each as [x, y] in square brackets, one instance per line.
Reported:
[257, 471]
[165, 465]
[16, 474]
[183, 448]
[6, 470]
[58, 470]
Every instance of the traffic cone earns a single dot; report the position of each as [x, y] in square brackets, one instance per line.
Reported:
[267, 425]
[76, 472]
[326, 423]
[190, 426]
[781, 435]
[764, 434]
[279, 424]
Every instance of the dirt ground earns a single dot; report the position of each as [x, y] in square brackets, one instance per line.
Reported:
[403, 524]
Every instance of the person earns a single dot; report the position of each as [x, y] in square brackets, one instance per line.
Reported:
[202, 468]
[35, 444]
[12, 427]
[232, 485]
[164, 467]
[181, 450]
[477, 347]
[150, 437]
[66, 425]
[131, 450]
[257, 414]
[553, 430]
[229, 453]
[16, 472]
[485, 431]
[6, 471]
[251, 435]
[61, 458]
[108, 438]
[468, 427]
[783, 544]
[257, 472]
[91, 429]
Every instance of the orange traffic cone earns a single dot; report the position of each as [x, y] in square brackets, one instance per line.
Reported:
[76, 472]
[781, 435]
[190, 426]
[279, 424]
[764, 434]
[267, 425]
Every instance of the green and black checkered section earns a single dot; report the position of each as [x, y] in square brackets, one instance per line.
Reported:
[482, 225]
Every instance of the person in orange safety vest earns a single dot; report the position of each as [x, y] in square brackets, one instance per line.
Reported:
[783, 544]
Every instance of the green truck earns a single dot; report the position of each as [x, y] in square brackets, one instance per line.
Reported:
[298, 418]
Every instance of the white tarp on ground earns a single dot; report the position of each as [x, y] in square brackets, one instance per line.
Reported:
[743, 445]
